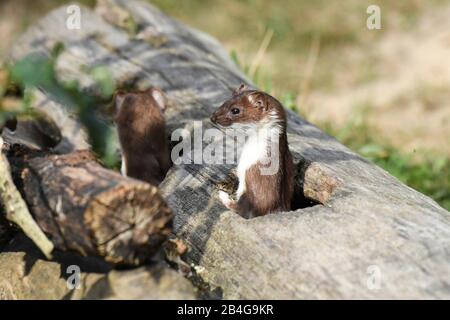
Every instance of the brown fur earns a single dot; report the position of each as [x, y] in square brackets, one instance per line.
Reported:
[249, 112]
[263, 193]
[142, 134]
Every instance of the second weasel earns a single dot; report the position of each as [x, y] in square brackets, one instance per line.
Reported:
[259, 193]
[142, 133]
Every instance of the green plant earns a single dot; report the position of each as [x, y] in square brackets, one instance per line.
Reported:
[35, 71]
[429, 174]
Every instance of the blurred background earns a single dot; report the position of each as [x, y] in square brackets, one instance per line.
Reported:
[383, 93]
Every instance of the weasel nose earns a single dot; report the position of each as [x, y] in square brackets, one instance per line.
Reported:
[213, 118]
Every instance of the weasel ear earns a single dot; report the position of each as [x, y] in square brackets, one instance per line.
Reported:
[258, 100]
[159, 97]
[240, 89]
[119, 98]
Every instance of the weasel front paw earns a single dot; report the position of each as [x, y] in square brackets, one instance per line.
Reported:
[226, 200]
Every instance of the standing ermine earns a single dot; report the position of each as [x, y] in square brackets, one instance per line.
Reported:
[260, 192]
[142, 133]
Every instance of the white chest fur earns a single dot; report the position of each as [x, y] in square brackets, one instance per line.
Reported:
[255, 149]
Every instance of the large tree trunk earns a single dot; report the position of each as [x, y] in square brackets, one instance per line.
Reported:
[89, 209]
[368, 236]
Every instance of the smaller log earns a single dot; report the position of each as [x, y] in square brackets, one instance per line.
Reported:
[87, 208]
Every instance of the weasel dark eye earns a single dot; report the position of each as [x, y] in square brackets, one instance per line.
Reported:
[235, 111]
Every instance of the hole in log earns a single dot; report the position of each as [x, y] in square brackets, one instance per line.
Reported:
[11, 124]
[36, 133]
[314, 184]
[300, 201]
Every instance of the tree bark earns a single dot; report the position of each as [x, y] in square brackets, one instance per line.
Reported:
[369, 236]
[89, 209]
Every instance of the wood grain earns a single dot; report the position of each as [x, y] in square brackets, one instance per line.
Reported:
[89, 209]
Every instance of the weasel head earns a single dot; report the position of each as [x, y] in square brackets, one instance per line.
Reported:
[138, 105]
[248, 107]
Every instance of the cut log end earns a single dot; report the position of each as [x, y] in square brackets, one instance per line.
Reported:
[128, 222]
[320, 183]
[89, 209]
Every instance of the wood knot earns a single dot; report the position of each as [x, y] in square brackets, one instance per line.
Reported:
[319, 182]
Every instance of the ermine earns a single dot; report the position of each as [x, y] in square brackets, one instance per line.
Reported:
[261, 190]
[141, 126]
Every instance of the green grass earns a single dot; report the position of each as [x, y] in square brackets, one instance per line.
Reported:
[426, 173]
[35, 71]
[241, 25]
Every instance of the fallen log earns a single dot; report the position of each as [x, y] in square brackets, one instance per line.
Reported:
[89, 209]
[368, 236]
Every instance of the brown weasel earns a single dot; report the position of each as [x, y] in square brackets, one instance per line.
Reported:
[142, 133]
[260, 192]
